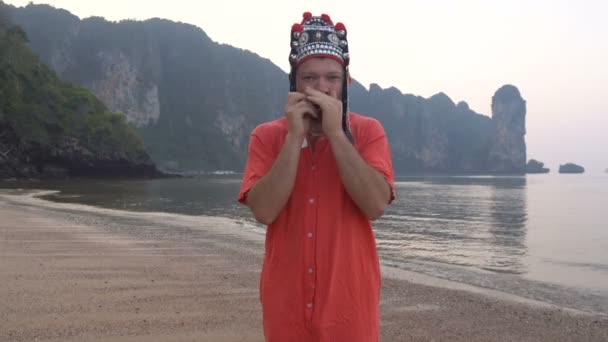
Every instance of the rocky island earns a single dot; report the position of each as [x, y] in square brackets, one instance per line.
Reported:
[535, 166]
[571, 168]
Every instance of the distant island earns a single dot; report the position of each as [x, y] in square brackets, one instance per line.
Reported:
[535, 166]
[571, 168]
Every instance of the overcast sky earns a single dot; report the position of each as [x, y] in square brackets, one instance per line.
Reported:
[554, 51]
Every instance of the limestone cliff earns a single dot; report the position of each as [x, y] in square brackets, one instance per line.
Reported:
[195, 102]
[120, 88]
[50, 128]
[508, 147]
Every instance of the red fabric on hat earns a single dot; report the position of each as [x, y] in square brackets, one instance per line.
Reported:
[326, 18]
[297, 27]
[306, 16]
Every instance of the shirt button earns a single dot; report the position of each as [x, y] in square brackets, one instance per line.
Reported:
[311, 200]
[310, 270]
[313, 167]
[309, 305]
[309, 234]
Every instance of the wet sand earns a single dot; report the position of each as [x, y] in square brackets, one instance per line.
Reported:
[69, 276]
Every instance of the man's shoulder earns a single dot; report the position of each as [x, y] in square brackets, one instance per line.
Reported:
[273, 127]
[360, 120]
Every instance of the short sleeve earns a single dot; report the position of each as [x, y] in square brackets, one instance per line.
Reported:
[374, 148]
[260, 157]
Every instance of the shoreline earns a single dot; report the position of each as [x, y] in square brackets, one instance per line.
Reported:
[83, 260]
[515, 289]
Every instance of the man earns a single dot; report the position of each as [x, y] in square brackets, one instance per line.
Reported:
[317, 177]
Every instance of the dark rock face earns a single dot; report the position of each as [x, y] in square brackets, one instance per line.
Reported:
[534, 166]
[68, 159]
[508, 148]
[571, 168]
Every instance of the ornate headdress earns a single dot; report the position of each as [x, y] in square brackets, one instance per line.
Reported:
[319, 37]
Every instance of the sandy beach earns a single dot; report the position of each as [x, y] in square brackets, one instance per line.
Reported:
[70, 274]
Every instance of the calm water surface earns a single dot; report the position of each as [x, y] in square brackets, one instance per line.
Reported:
[540, 236]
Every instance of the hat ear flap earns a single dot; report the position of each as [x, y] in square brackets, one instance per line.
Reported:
[292, 80]
[345, 110]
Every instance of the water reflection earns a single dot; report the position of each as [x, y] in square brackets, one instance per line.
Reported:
[508, 228]
[468, 221]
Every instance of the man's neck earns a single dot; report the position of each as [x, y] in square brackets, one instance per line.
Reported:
[314, 134]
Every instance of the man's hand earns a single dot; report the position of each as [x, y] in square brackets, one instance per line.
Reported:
[331, 107]
[299, 111]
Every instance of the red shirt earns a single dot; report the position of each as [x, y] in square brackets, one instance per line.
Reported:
[321, 276]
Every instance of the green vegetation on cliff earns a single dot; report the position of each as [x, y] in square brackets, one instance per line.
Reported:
[45, 121]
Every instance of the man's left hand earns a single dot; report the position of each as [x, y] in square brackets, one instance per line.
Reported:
[331, 107]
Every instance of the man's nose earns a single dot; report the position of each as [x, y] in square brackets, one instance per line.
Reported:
[323, 85]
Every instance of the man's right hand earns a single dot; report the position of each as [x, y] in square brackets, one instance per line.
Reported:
[299, 111]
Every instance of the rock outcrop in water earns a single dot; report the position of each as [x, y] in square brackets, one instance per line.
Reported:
[571, 168]
[534, 166]
[508, 148]
[195, 102]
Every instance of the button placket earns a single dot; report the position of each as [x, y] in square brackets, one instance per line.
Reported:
[312, 210]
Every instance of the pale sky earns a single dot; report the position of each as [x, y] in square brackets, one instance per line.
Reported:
[554, 51]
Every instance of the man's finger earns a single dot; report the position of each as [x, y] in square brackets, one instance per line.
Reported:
[295, 97]
[311, 91]
[306, 108]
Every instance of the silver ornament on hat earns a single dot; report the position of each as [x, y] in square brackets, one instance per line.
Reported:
[343, 44]
[296, 34]
[333, 39]
[341, 33]
[303, 38]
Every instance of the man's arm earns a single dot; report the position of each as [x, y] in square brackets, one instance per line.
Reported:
[269, 195]
[365, 185]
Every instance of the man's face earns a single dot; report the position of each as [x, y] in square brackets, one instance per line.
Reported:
[322, 74]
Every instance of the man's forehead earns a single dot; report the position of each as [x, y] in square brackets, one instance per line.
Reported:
[321, 64]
